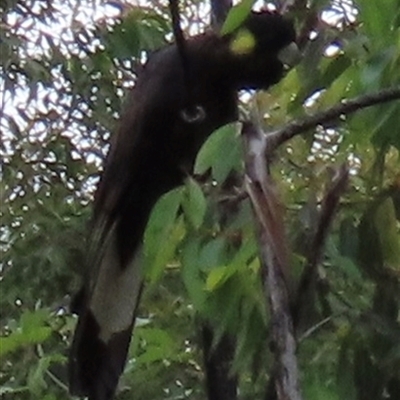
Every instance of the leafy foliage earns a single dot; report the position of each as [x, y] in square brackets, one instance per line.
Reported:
[61, 97]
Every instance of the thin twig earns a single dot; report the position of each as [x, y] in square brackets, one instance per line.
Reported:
[314, 328]
[57, 381]
[346, 107]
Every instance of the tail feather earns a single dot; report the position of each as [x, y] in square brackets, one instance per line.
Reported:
[95, 366]
[102, 337]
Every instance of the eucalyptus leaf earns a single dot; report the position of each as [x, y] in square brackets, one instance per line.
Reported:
[237, 16]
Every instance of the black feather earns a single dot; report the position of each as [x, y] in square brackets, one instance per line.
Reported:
[151, 153]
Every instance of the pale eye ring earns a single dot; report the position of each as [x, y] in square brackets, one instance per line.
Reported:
[194, 114]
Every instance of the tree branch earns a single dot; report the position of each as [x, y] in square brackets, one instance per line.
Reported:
[294, 128]
[272, 243]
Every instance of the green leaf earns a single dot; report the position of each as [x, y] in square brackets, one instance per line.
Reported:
[9, 344]
[237, 16]
[212, 254]
[33, 330]
[317, 389]
[166, 251]
[213, 259]
[348, 239]
[385, 131]
[221, 153]
[345, 370]
[138, 30]
[218, 276]
[369, 251]
[163, 233]
[334, 69]
[36, 381]
[159, 345]
[11, 390]
[191, 274]
[368, 377]
[378, 20]
[194, 203]
[49, 396]
[389, 237]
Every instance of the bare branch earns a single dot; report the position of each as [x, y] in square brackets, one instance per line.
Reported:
[346, 107]
[272, 244]
[57, 381]
[314, 328]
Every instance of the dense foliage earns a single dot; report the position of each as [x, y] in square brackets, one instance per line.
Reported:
[65, 66]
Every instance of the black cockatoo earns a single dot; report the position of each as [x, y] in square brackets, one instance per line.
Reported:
[154, 149]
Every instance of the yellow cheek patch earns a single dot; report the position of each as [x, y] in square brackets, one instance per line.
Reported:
[243, 42]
